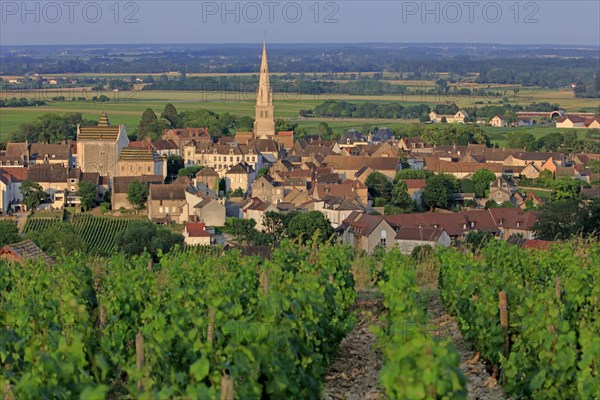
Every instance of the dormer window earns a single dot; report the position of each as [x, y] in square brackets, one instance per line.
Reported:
[472, 224]
[214, 151]
[464, 226]
[500, 221]
[518, 224]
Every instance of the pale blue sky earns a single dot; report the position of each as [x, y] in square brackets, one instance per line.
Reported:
[146, 21]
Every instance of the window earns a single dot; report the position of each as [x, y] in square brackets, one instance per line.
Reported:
[383, 239]
[464, 226]
[160, 210]
[518, 224]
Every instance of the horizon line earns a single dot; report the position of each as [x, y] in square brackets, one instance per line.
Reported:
[303, 43]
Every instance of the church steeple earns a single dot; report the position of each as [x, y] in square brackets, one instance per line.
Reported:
[264, 124]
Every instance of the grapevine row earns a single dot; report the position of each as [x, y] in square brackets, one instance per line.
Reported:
[551, 348]
[416, 364]
[268, 327]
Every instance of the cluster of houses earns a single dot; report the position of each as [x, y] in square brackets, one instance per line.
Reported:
[524, 118]
[310, 174]
[252, 173]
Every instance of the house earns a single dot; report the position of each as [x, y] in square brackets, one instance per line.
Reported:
[531, 171]
[15, 155]
[208, 177]
[352, 189]
[184, 136]
[414, 144]
[168, 203]
[337, 209]
[592, 123]
[366, 232]
[99, 147]
[24, 251]
[462, 169]
[409, 237]
[165, 147]
[256, 209]
[196, 234]
[524, 122]
[415, 188]
[352, 137]
[240, 176]
[500, 190]
[49, 176]
[10, 183]
[267, 189]
[221, 157]
[120, 186]
[498, 122]
[210, 211]
[348, 166]
[570, 121]
[530, 200]
[459, 117]
[138, 161]
[42, 153]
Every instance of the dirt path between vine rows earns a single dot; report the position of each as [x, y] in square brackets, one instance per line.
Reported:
[480, 384]
[354, 373]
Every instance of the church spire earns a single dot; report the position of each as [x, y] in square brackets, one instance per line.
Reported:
[264, 96]
[264, 123]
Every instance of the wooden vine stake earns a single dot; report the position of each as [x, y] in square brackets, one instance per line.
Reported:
[557, 288]
[210, 332]
[264, 283]
[139, 357]
[503, 305]
[226, 387]
[102, 316]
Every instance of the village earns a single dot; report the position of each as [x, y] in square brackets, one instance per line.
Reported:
[252, 174]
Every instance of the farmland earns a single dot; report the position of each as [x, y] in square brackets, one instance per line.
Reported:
[127, 107]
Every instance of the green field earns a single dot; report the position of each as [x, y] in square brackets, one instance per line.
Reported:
[127, 107]
[98, 233]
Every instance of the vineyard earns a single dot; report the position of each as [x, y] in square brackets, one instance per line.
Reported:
[187, 327]
[204, 323]
[99, 233]
[416, 365]
[533, 315]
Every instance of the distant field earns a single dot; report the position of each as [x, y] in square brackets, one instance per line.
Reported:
[127, 107]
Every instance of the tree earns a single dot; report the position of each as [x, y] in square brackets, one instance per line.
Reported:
[143, 236]
[170, 114]
[557, 220]
[190, 171]
[33, 193]
[565, 188]
[379, 186]
[242, 230]
[262, 171]
[304, 226]
[137, 194]
[9, 233]
[475, 240]
[87, 193]
[60, 239]
[174, 165]
[150, 126]
[438, 191]
[412, 174]
[147, 123]
[401, 198]
[482, 179]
